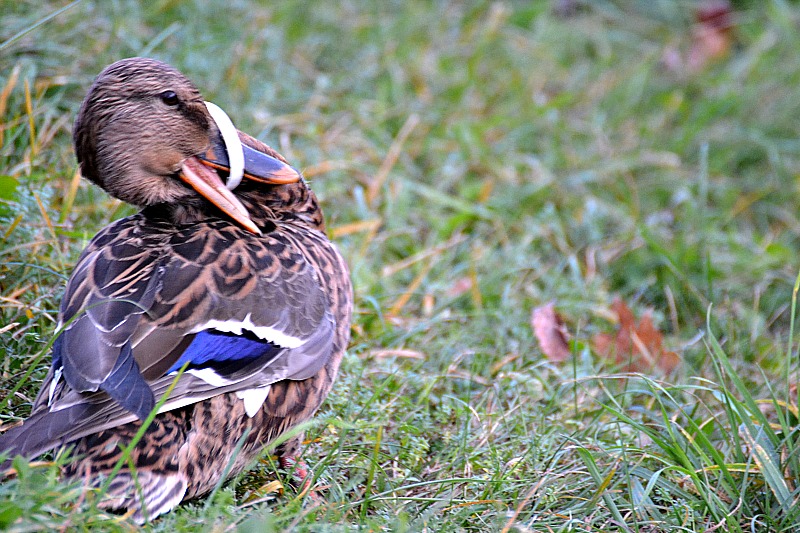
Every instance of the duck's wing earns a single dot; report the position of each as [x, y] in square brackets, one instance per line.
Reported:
[145, 300]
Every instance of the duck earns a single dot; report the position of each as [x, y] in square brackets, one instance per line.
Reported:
[219, 313]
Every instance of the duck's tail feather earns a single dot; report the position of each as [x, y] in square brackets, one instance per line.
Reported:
[42, 432]
[159, 494]
[162, 486]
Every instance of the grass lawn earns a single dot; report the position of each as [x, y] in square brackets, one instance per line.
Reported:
[475, 161]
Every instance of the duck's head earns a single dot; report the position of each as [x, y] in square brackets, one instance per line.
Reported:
[146, 136]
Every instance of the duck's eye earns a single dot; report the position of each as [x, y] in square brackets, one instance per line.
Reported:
[169, 98]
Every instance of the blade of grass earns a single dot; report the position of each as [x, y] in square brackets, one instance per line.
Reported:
[40, 22]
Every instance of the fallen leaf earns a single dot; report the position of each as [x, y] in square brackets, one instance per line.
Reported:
[711, 38]
[548, 326]
[273, 487]
[639, 347]
[459, 287]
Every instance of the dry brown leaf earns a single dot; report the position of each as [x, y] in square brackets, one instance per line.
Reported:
[548, 326]
[711, 39]
[638, 347]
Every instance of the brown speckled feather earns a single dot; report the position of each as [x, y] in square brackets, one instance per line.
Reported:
[261, 319]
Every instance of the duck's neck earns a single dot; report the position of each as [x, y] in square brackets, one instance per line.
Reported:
[294, 203]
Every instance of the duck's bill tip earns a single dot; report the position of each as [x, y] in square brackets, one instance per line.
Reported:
[258, 166]
[281, 176]
[209, 185]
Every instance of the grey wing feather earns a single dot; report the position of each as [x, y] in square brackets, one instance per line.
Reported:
[74, 415]
[109, 291]
[210, 277]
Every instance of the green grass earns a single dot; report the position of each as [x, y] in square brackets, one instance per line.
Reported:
[536, 157]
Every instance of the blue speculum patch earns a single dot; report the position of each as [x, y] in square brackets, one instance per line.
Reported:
[211, 346]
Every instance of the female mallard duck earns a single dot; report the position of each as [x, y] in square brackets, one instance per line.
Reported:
[242, 288]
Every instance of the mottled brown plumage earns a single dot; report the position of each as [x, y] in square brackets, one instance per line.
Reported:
[248, 292]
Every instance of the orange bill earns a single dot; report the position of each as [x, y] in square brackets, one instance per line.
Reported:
[208, 183]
